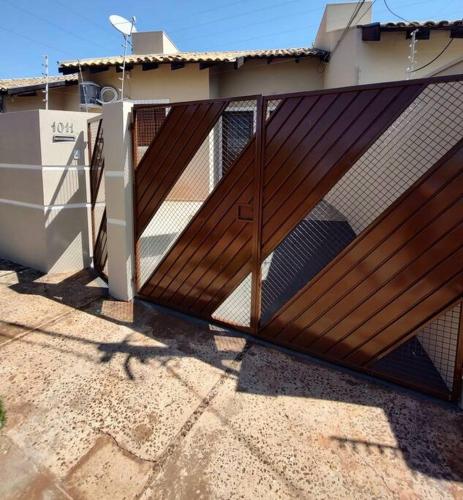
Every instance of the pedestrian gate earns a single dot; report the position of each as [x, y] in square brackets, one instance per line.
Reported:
[330, 222]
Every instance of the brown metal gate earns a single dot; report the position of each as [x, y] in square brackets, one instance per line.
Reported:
[329, 222]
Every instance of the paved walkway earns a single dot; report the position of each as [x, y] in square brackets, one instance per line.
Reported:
[113, 400]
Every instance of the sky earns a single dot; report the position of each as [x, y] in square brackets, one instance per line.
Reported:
[65, 29]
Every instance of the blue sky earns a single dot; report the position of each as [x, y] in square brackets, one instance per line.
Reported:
[69, 30]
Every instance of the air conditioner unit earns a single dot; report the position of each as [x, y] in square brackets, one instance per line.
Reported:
[93, 95]
[108, 94]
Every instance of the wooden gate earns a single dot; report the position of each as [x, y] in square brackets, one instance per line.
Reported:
[329, 222]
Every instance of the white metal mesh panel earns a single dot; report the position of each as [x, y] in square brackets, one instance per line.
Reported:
[236, 309]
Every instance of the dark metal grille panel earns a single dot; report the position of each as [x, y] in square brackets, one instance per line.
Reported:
[93, 126]
[428, 359]
[97, 190]
[148, 122]
[422, 134]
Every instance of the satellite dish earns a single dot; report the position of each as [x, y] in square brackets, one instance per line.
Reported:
[123, 25]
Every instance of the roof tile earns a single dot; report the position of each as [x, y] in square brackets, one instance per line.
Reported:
[193, 57]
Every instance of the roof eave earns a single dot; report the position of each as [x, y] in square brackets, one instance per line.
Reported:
[71, 67]
[33, 88]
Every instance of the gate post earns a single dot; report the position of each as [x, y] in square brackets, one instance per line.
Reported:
[119, 195]
[256, 286]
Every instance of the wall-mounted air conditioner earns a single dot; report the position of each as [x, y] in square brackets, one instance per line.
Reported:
[93, 95]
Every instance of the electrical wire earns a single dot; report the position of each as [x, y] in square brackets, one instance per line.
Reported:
[226, 18]
[201, 12]
[366, 12]
[34, 40]
[252, 24]
[75, 12]
[51, 23]
[394, 13]
[355, 12]
[437, 57]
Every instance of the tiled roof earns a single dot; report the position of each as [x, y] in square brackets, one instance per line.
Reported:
[194, 57]
[446, 25]
[424, 24]
[24, 83]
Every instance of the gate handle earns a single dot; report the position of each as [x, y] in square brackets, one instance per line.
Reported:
[245, 213]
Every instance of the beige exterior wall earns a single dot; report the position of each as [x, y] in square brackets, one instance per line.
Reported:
[60, 98]
[22, 235]
[355, 62]
[191, 83]
[452, 68]
[19, 138]
[69, 123]
[152, 42]
[258, 77]
[44, 191]
[387, 59]
[186, 84]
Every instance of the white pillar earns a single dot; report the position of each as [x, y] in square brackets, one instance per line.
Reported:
[119, 204]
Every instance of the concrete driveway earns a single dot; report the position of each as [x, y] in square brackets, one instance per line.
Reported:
[112, 400]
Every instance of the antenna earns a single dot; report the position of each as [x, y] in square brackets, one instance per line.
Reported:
[125, 27]
[82, 86]
[45, 74]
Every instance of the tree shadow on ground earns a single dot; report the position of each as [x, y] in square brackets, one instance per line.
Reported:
[429, 434]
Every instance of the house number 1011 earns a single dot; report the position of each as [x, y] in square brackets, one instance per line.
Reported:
[62, 128]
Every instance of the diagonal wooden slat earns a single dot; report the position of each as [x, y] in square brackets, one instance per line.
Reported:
[389, 280]
[325, 156]
[206, 264]
[213, 227]
[184, 130]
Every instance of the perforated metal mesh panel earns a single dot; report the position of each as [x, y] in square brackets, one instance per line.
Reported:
[236, 310]
[427, 360]
[213, 159]
[148, 122]
[427, 129]
[270, 106]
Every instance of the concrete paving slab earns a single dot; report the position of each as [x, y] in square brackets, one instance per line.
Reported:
[107, 468]
[48, 297]
[21, 478]
[87, 376]
[124, 400]
[287, 429]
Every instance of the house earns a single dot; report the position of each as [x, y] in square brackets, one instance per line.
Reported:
[21, 94]
[349, 49]
[327, 221]
[370, 52]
